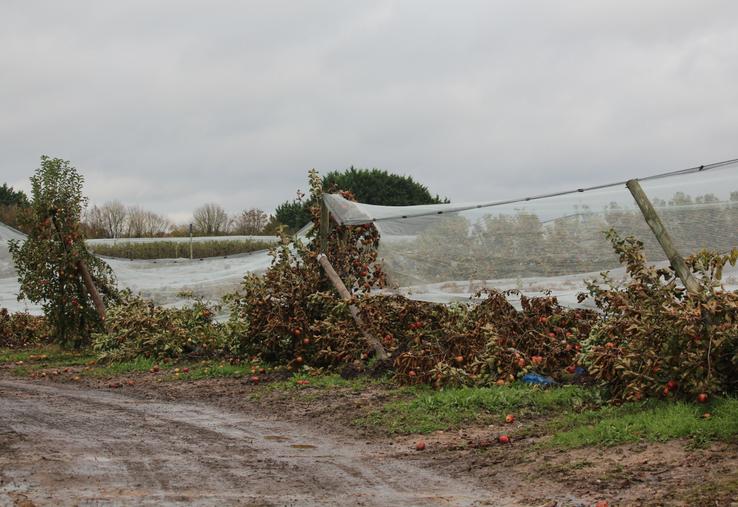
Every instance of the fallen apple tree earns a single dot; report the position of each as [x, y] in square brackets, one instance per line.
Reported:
[54, 267]
[644, 338]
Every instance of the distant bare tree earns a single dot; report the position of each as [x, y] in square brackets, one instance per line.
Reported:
[94, 223]
[211, 219]
[250, 222]
[143, 223]
[114, 216]
[158, 225]
[136, 222]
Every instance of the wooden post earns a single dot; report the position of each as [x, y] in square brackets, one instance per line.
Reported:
[663, 237]
[190, 241]
[325, 218]
[84, 273]
[379, 351]
[92, 290]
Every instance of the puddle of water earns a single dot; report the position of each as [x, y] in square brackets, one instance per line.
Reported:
[276, 438]
[303, 446]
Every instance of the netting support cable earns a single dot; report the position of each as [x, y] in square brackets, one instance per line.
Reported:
[455, 209]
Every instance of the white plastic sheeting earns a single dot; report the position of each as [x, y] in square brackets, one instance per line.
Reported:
[553, 243]
[163, 280]
[160, 280]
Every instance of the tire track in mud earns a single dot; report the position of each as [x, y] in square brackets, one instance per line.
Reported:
[70, 445]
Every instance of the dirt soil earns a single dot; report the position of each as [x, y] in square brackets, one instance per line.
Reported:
[226, 442]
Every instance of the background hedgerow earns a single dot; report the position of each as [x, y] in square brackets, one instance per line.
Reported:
[177, 249]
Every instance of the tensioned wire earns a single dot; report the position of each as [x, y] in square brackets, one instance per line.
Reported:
[680, 172]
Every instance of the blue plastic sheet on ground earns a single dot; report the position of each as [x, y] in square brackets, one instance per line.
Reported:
[536, 379]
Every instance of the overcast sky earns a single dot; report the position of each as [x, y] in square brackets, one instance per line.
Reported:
[170, 104]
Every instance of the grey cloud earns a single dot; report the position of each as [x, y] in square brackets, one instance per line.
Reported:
[171, 104]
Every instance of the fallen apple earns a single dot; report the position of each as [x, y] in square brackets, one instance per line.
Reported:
[420, 446]
[509, 418]
[503, 439]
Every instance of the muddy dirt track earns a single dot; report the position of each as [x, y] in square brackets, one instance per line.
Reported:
[66, 445]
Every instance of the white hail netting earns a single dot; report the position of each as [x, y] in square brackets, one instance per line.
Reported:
[162, 280]
[448, 252]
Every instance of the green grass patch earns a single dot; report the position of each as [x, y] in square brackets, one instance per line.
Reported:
[430, 410]
[653, 421]
[50, 355]
[29, 361]
[208, 370]
[325, 381]
[140, 364]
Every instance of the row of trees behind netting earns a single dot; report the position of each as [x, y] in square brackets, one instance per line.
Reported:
[550, 237]
[523, 244]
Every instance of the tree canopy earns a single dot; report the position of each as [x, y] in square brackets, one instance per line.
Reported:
[49, 262]
[371, 186]
[11, 197]
[376, 186]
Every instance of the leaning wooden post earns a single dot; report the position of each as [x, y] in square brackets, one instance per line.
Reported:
[92, 290]
[325, 218]
[84, 272]
[379, 351]
[663, 237]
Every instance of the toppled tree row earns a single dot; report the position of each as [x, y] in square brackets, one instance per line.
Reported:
[20, 330]
[648, 338]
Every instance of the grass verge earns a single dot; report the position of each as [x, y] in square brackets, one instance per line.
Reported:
[654, 421]
[324, 381]
[431, 410]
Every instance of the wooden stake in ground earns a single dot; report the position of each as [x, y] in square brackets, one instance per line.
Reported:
[92, 290]
[379, 351]
[85, 274]
[662, 236]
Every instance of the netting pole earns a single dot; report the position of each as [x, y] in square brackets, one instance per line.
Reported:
[662, 236]
[379, 351]
[325, 218]
[190, 241]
